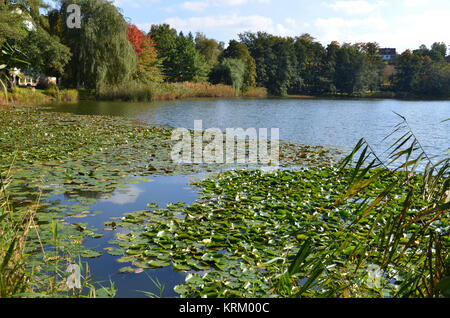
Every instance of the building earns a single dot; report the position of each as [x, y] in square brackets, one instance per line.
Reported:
[31, 79]
[387, 54]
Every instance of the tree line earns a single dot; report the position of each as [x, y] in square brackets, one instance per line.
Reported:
[107, 50]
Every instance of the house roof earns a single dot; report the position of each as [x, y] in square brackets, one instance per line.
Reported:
[388, 51]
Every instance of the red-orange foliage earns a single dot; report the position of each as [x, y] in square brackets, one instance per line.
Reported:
[148, 63]
[136, 37]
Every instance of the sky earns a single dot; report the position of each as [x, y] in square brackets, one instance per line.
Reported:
[401, 24]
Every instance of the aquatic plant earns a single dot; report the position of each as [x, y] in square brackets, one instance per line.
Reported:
[401, 228]
[351, 231]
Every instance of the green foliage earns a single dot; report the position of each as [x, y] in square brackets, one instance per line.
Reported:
[181, 60]
[101, 52]
[357, 68]
[8, 60]
[309, 56]
[418, 74]
[209, 48]
[231, 71]
[11, 23]
[236, 50]
[275, 61]
[45, 53]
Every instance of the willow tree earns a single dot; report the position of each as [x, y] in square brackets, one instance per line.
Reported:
[237, 50]
[101, 52]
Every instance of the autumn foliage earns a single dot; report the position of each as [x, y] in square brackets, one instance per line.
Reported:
[136, 37]
[148, 68]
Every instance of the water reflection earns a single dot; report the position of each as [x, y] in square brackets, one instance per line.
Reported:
[162, 191]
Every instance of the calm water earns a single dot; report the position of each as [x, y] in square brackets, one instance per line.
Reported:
[162, 191]
[327, 122]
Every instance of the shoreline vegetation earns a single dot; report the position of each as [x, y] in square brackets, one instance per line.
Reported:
[133, 92]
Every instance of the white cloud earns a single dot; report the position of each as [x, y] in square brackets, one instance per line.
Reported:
[348, 30]
[405, 32]
[202, 5]
[413, 3]
[355, 6]
[135, 4]
[195, 5]
[230, 24]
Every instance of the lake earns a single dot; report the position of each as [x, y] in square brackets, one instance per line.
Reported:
[338, 123]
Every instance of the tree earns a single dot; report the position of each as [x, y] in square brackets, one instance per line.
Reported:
[236, 50]
[181, 60]
[209, 48]
[419, 74]
[357, 68]
[310, 59]
[408, 68]
[136, 37]
[275, 61]
[11, 23]
[149, 66]
[54, 23]
[102, 54]
[45, 53]
[230, 71]
[440, 47]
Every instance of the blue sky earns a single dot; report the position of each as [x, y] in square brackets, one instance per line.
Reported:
[398, 23]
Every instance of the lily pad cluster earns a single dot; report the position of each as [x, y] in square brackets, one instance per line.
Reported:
[81, 159]
[240, 237]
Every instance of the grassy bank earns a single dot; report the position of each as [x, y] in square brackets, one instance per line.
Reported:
[169, 91]
[130, 91]
[29, 96]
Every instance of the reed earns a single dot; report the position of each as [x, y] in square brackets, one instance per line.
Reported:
[133, 91]
[399, 227]
[14, 277]
[20, 279]
[29, 96]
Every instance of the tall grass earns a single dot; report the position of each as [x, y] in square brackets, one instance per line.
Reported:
[17, 277]
[400, 227]
[14, 278]
[62, 95]
[133, 91]
[414, 236]
[29, 96]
